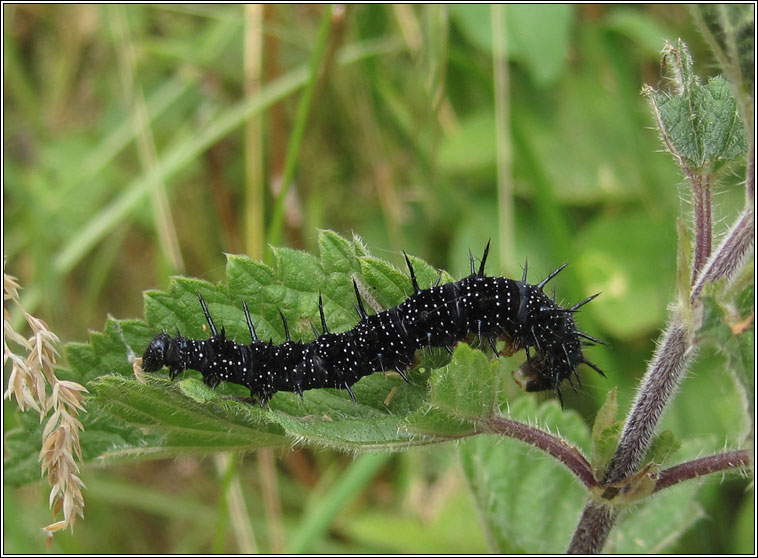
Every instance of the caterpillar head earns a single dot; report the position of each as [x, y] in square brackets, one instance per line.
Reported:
[536, 375]
[155, 354]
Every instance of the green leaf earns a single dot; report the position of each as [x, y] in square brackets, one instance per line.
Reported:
[607, 415]
[152, 416]
[179, 423]
[606, 432]
[657, 523]
[663, 446]
[529, 504]
[602, 130]
[382, 277]
[537, 35]
[730, 31]
[299, 271]
[464, 394]
[728, 325]
[474, 21]
[337, 253]
[187, 410]
[699, 123]
[744, 540]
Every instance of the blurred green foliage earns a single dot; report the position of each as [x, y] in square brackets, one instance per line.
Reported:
[107, 105]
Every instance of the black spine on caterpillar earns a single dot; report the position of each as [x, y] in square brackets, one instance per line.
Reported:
[490, 308]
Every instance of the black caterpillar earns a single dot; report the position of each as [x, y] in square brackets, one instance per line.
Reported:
[489, 307]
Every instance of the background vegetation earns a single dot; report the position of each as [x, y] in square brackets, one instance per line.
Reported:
[141, 142]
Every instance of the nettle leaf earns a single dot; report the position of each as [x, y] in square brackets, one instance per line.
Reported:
[699, 123]
[188, 416]
[662, 447]
[606, 432]
[731, 35]
[464, 394]
[728, 325]
[181, 423]
[528, 503]
[150, 416]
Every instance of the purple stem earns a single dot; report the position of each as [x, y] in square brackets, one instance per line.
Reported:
[738, 243]
[669, 363]
[552, 445]
[736, 459]
[594, 525]
[701, 197]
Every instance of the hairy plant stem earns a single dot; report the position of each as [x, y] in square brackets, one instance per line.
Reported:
[670, 362]
[736, 459]
[701, 194]
[594, 525]
[738, 243]
[552, 445]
